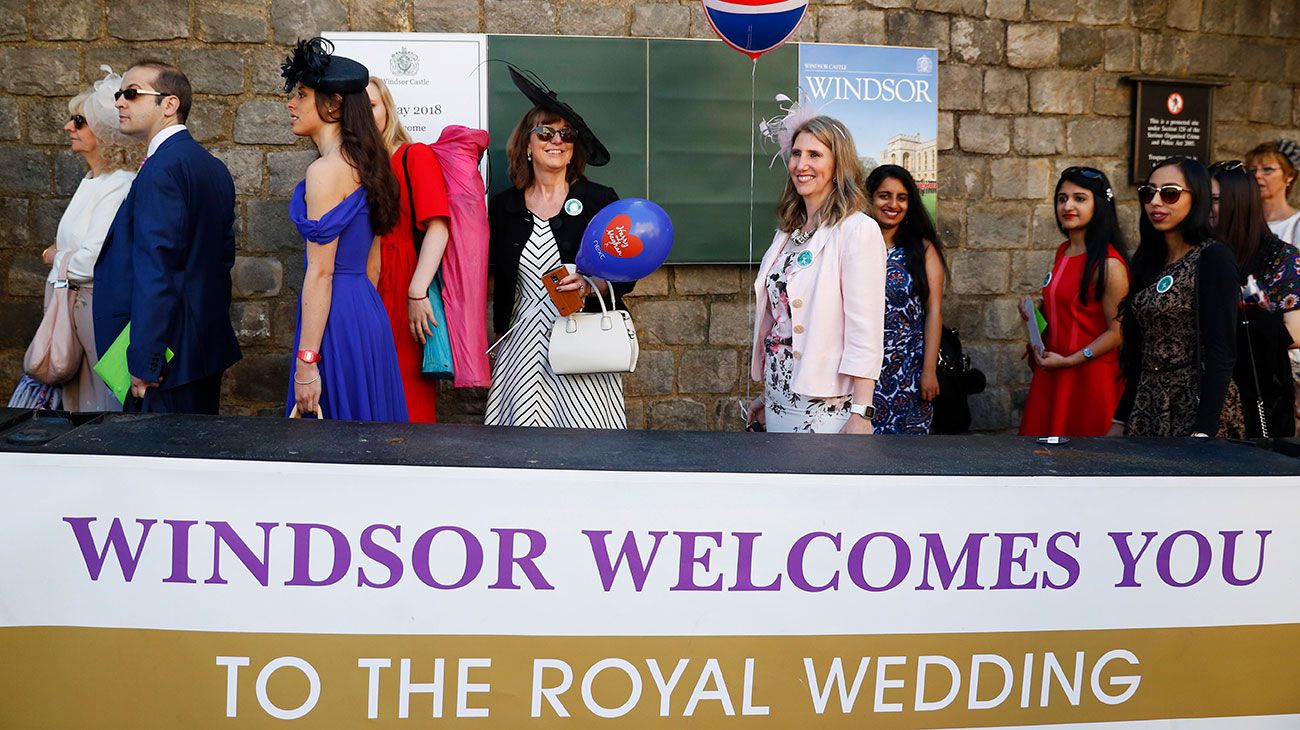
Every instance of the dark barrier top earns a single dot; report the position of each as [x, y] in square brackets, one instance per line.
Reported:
[272, 439]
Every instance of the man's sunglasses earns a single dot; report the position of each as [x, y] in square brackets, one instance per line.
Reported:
[1169, 194]
[132, 94]
[548, 134]
[77, 120]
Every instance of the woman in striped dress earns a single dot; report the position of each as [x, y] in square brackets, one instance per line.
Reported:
[536, 226]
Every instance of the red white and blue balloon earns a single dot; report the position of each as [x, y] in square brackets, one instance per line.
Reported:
[755, 27]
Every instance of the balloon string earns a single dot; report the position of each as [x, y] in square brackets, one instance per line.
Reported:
[753, 131]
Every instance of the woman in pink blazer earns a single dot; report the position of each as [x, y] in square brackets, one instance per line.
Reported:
[820, 292]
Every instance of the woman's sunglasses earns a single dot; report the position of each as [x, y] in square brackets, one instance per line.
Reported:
[77, 120]
[131, 94]
[548, 134]
[1169, 194]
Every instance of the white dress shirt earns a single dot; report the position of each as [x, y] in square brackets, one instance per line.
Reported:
[162, 136]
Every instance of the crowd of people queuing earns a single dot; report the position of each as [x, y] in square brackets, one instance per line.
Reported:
[1191, 333]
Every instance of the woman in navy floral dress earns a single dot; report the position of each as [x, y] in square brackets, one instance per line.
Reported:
[914, 279]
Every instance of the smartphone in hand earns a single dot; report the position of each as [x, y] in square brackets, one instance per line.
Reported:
[567, 302]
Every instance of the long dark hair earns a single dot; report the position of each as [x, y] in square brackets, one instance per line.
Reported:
[1153, 251]
[1103, 230]
[363, 148]
[1241, 224]
[914, 230]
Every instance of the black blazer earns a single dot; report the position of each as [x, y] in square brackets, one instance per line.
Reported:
[512, 224]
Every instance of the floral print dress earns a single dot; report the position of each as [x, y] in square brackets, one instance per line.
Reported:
[1168, 391]
[899, 406]
[786, 410]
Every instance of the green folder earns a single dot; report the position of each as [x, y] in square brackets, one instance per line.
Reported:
[1038, 318]
[112, 366]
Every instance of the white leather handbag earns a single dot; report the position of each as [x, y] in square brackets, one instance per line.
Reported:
[586, 342]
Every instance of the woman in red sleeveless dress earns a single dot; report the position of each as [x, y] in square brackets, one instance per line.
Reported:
[393, 263]
[1076, 383]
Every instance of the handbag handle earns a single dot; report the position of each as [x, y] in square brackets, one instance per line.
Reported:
[61, 279]
[606, 321]
[320, 415]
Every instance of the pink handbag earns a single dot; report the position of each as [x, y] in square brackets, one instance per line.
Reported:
[55, 353]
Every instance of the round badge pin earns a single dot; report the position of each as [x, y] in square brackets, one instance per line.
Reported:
[1047, 279]
[1165, 284]
[804, 259]
[573, 206]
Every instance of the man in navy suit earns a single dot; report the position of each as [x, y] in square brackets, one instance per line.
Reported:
[165, 265]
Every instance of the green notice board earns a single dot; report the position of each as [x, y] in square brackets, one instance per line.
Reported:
[675, 115]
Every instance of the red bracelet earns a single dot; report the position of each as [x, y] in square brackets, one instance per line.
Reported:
[417, 299]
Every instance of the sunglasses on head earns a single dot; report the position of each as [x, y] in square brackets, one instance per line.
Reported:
[547, 133]
[131, 94]
[1169, 194]
[1091, 173]
[77, 120]
[1227, 166]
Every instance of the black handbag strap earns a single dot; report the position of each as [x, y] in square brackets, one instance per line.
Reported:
[416, 239]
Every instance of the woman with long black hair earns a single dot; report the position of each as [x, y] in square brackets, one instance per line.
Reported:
[345, 365]
[1270, 312]
[914, 276]
[1179, 320]
[1076, 383]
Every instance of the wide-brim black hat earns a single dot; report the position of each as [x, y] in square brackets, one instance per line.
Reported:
[541, 95]
[314, 65]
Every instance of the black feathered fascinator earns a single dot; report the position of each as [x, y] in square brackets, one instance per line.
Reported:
[314, 65]
[532, 86]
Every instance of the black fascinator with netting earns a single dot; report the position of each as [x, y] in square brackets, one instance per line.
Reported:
[314, 65]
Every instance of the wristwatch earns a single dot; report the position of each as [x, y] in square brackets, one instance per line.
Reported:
[1087, 353]
[309, 356]
[866, 411]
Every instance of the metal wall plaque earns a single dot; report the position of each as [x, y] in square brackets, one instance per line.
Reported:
[1171, 117]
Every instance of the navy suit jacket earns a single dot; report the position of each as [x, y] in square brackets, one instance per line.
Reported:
[165, 267]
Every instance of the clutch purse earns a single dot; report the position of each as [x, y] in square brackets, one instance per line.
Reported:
[586, 342]
[437, 346]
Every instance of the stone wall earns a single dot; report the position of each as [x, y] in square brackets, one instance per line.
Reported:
[1027, 87]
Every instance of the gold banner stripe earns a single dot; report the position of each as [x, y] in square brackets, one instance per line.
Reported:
[111, 678]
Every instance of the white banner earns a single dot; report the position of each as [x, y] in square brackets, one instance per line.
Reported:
[1094, 597]
[436, 79]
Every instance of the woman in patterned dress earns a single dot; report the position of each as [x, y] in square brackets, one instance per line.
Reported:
[1076, 383]
[536, 226]
[820, 292]
[1269, 324]
[914, 277]
[1179, 320]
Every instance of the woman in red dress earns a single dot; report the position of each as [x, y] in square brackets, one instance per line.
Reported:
[1076, 381]
[400, 272]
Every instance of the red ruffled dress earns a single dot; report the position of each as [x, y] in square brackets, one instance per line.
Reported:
[397, 262]
[1081, 400]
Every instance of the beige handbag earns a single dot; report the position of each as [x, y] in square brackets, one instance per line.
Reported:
[320, 412]
[55, 352]
[586, 342]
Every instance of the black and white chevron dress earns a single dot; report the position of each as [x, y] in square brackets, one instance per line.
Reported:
[525, 391]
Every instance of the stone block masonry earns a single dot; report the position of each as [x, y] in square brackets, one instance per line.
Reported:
[1027, 87]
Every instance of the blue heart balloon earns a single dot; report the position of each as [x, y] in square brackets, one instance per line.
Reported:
[627, 240]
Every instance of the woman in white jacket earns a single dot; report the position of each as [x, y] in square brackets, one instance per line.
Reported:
[112, 159]
[820, 292]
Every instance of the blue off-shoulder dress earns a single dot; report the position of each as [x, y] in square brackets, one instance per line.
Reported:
[360, 380]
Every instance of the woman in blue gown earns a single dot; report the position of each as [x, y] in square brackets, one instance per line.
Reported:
[346, 365]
